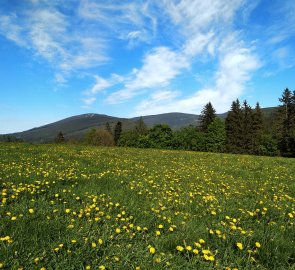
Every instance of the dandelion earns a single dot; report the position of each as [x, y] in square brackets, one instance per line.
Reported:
[195, 251]
[189, 248]
[152, 250]
[31, 210]
[118, 230]
[180, 248]
[257, 244]
[240, 246]
[201, 241]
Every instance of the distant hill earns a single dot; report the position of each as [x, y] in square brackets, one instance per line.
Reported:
[76, 127]
[174, 120]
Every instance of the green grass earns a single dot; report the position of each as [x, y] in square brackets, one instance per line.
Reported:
[102, 207]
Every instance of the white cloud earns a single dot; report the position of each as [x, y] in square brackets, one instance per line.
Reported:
[160, 66]
[89, 101]
[9, 28]
[234, 71]
[50, 35]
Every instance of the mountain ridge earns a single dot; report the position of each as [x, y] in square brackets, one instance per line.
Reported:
[75, 127]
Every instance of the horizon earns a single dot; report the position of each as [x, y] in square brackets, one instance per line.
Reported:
[139, 58]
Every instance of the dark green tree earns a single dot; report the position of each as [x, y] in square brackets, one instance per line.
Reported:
[108, 128]
[185, 138]
[207, 116]
[258, 129]
[160, 136]
[285, 119]
[60, 138]
[140, 127]
[118, 131]
[216, 136]
[247, 129]
[234, 128]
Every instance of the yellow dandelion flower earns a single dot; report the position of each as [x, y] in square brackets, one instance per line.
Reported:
[180, 248]
[118, 230]
[195, 251]
[240, 246]
[31, 210]
[93, 245]
[152, 250]
[189, 248]
[257, 244]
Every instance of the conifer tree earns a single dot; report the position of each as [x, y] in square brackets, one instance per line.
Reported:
[247, 132]
[108, 128]
[284, 123]
[258, 124]
[234, 128]
[207, 116]
[141, 128]
[118, 131]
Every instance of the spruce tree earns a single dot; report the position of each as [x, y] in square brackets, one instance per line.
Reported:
[247, 132]
[118, 131]
[234, 128]
[207, 116]
[258, 124]
[140, 127]
[284, 123]
[108, 128]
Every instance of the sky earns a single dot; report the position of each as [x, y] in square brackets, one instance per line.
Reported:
[134, 58]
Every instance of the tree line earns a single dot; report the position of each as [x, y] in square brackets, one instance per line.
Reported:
[245, 130]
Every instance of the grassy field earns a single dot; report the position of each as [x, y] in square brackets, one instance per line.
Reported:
[76, 207]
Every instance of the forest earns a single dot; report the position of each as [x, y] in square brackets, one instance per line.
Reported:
[245, 130]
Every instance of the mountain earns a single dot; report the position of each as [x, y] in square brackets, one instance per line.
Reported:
[76, 127]
[174, 120]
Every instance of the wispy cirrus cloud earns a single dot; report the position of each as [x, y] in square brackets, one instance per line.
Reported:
[49, 34]
[231, 77]
[198, 26]
[160, 66]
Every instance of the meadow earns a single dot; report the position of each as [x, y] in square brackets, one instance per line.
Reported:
[81, 207]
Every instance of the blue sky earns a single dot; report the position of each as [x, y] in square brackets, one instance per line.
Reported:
[131, 58]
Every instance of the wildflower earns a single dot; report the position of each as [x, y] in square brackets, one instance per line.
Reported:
[240, 246]
[257, 244]
[201, 241]
[152, 250]
[195, 251]
[180, 248]
[93, 245]
[100, 241]
[158, 233]
[189, 248]
[118, 230]
[31, 210]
